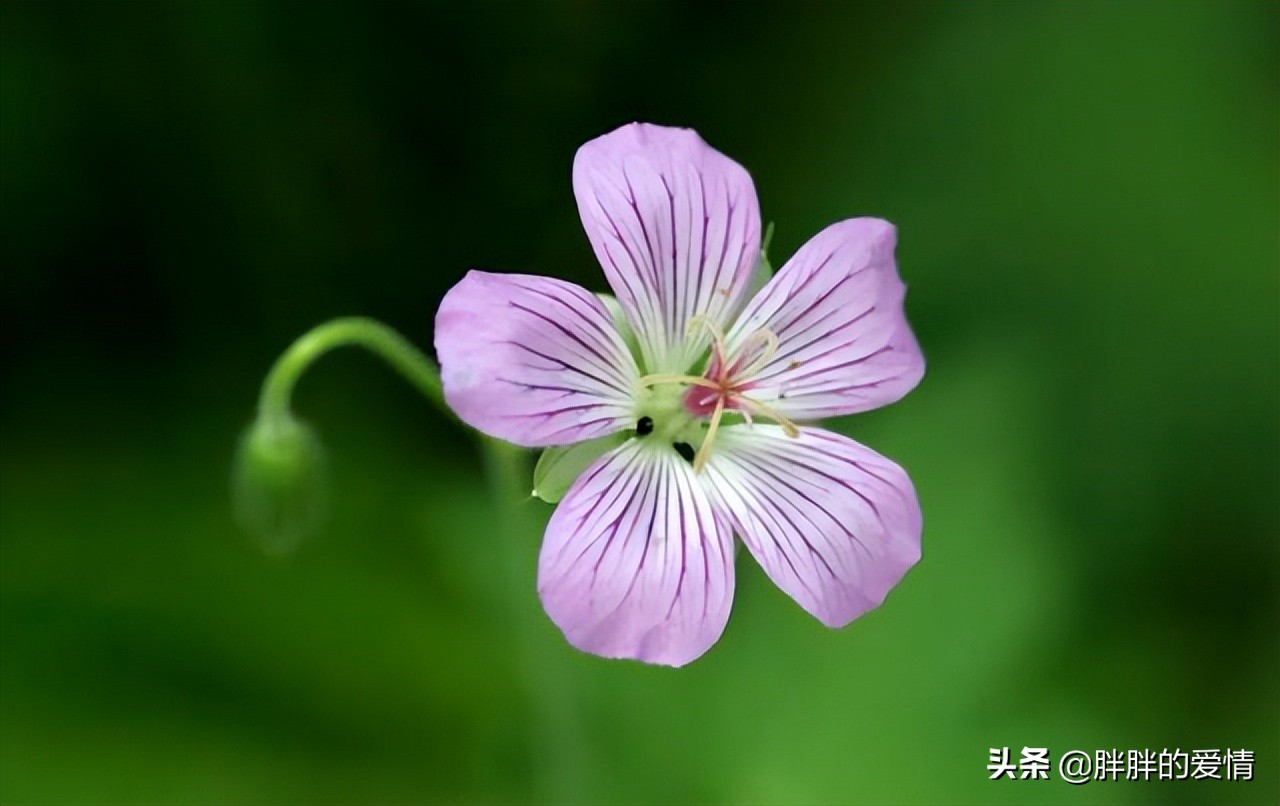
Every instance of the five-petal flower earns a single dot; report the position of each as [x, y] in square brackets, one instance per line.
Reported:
[712, 399]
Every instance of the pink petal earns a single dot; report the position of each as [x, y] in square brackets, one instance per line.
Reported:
[635, 563]
[533, 360]
[676, 226]
[844, 345]
[834, 524]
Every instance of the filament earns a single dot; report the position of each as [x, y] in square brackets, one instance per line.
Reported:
[788, 427]
[770, 348]
[662, 378]
[704, 450]
[717, 335]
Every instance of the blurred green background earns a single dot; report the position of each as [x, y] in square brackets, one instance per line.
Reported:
[1087, 204]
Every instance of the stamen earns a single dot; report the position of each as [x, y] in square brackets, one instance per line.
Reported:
[717, 335]
[770, 348]
[704, 451]
[788, 427]
[656, 380]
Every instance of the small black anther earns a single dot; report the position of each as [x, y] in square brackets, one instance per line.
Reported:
[644, 427]
[684, 449]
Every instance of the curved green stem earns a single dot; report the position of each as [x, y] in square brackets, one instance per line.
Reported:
[278, 487]
[372, 335]
[279, 480]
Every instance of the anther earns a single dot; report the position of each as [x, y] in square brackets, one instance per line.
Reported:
[788, 427]
[644, 427]
[684, 449]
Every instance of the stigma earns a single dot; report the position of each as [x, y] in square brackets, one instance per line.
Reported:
[725, 386]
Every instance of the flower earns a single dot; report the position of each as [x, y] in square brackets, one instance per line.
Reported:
[707, 396]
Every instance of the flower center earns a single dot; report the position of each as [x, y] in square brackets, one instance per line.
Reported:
[724, 386]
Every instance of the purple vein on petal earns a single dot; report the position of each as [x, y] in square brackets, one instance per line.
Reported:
[620, 483]
[748, 490]
[781, 480]
[702, 241]
[784, 476]
[602, 363]
[784, 356]
[610, 337]
[853, 362]
[608, 384]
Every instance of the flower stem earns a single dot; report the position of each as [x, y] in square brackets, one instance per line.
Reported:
[374, 336]
[277, 485]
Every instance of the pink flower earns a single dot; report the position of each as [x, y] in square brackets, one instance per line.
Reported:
[708, 395]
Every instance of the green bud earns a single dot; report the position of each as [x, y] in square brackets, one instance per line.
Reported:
[279, 483]
[559, 467]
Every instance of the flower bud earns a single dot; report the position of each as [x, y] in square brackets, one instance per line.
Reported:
[279, 483]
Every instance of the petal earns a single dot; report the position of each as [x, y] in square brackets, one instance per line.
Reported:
[533, 360]
[844, 344]
[676, 226]
[620, 323]
[834, 524]
[635, 563]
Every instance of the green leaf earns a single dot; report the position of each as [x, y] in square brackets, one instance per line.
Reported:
[560, 466]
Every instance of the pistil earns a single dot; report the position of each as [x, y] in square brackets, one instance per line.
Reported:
[725, 385]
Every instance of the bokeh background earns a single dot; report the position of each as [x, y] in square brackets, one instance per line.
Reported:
[1086, 196]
